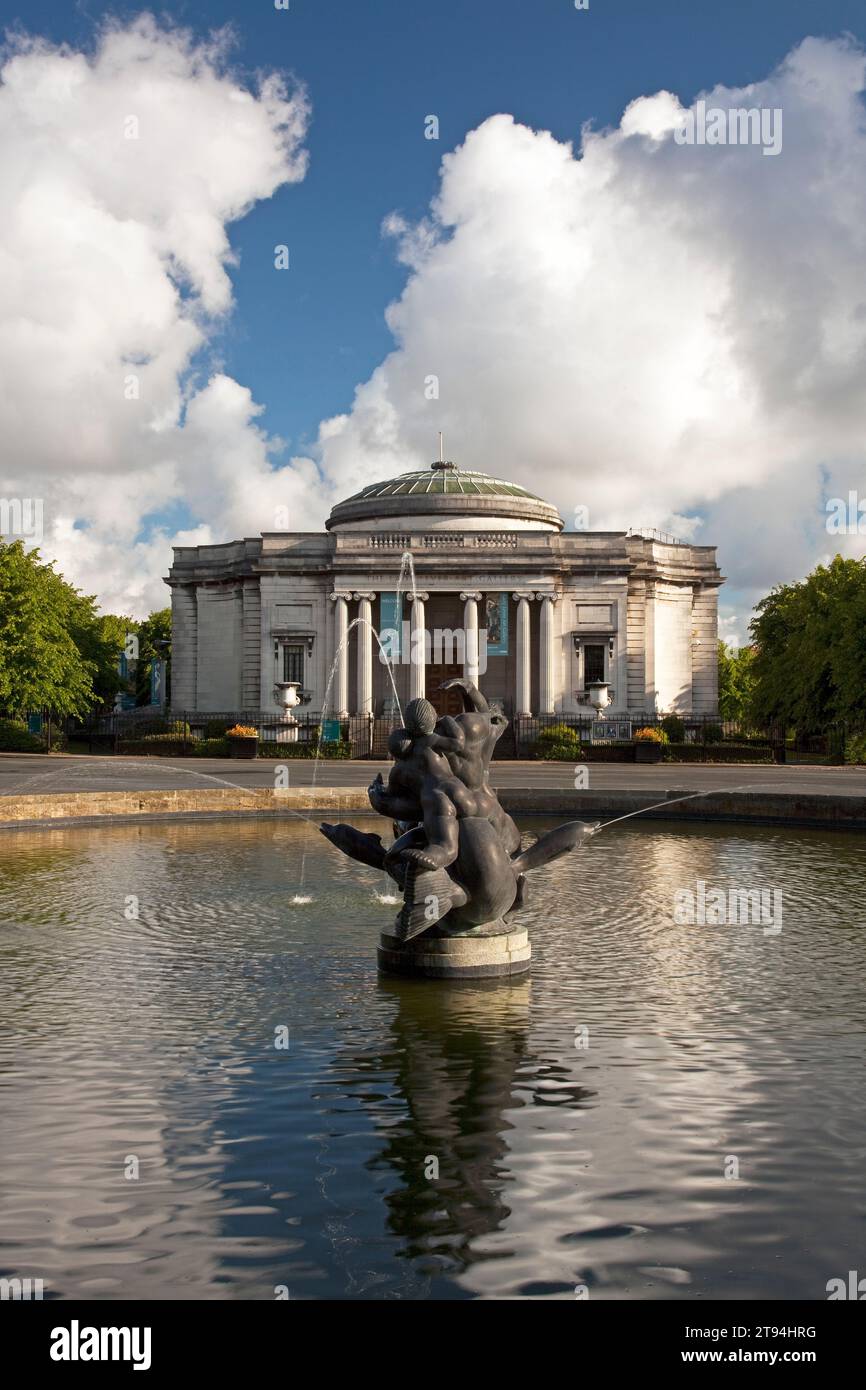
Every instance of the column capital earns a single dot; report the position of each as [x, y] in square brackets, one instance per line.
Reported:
[467, 594]
[541, 597]
[420, 594]
[364, 593]
[521, 594]
[340, 593]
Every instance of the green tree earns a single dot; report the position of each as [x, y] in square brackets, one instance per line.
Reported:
[810, 661]
[101, 639]
[154, 644]
[735, 682]
[41, 620]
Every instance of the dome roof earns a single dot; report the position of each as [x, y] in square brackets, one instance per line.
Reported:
[428, 480]
[446, 495]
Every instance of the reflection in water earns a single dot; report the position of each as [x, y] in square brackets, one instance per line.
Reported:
[453, 1054]
[581, 1117]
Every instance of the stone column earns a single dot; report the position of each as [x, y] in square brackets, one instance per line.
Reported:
[252, 646]
[523, 685]
[471, 601]
[365, 653]
[340, 689]
[546, 668]
[417, 647]
[184, 633]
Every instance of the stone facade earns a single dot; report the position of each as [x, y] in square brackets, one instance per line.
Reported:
[638, 612]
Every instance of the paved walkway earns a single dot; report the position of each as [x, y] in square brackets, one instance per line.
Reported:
[40, 775]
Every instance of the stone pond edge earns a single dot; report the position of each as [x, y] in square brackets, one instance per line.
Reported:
[99, 807]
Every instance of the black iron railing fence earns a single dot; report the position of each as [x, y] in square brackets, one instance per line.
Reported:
[612, 737]
[703, 728]
[185, 732]
[191, 731]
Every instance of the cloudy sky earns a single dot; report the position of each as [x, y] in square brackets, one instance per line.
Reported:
[662, 333]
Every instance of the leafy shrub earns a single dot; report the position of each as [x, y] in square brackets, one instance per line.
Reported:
[558, 743]
[855, 748]
[15, 737]
[269, 748]
[343, 749]
[156, 745]
[166, 737]
[558, 733]
[559, 752]
[674, 727]
[650, 734]
[712, 733]
[242, 731]
[719, 753]
[216, 728]
[159, 724]
[211, 748]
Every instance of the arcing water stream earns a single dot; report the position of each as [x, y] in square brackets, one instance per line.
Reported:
[406, 562]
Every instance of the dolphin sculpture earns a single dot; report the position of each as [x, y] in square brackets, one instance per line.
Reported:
[457, 856]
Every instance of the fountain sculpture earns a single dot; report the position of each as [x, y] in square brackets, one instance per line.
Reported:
[457, 856]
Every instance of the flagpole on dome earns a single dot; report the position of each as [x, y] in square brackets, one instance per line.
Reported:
[442, 463]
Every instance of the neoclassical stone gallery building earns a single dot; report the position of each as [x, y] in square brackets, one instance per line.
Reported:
[554, 610]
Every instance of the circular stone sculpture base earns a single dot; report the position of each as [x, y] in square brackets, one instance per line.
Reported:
[456, 957]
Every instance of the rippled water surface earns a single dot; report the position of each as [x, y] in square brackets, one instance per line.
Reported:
[148, 1043]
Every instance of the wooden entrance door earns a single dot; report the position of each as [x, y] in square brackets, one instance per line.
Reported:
[443, 701]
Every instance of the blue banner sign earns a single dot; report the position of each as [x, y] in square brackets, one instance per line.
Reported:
[157, 683]
[496, 622]
[390, 621]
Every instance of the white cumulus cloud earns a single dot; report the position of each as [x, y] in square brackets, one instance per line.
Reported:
[121, 171]
[668, 334]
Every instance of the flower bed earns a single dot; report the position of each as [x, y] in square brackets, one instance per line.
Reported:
[243, 741]
[649, 744]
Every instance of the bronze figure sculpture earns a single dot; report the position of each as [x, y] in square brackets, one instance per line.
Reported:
[457, 856]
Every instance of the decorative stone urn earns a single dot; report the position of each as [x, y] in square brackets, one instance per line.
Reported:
[599, 696]
[289, 699]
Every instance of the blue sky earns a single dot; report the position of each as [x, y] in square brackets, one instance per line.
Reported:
[374, 70]
[652, 334]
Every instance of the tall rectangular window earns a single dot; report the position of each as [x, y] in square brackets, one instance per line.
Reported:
[293, 662]
[593, 663]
